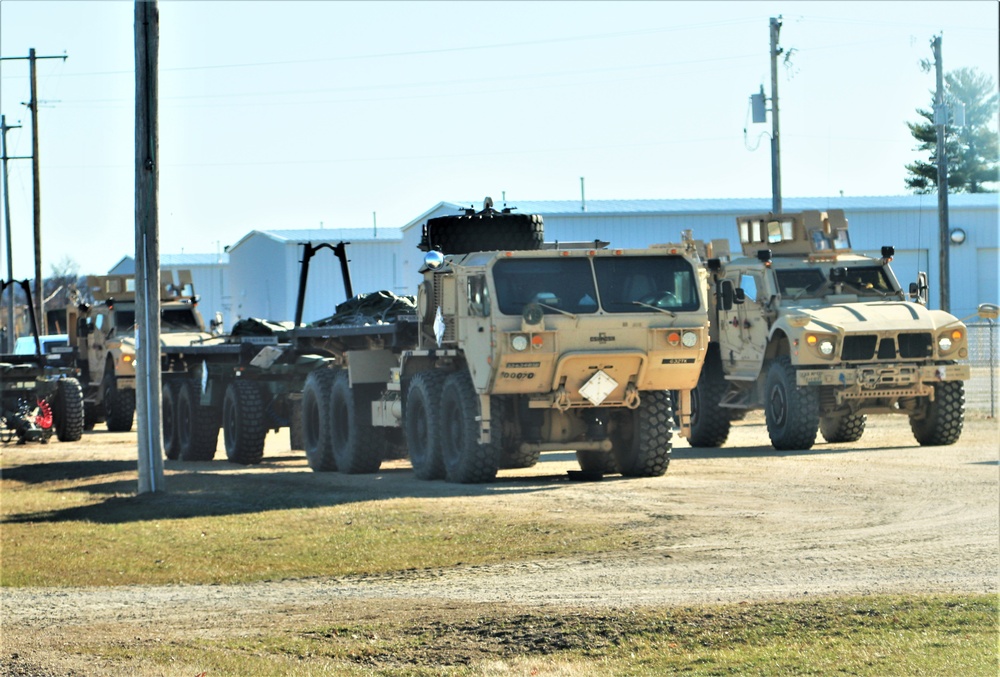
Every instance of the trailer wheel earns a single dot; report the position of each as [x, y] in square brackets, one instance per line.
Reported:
[943, 419]
[351, 436]
[422, 419]
[466, 460]
[119, 404]
[315, 420]
[641, 442]
[168, 418]
[197, 426]
[848, 428]
[792, 413]
[489, 231]
[243, 423]
[68, 410]
[710, 423]
[597, 462]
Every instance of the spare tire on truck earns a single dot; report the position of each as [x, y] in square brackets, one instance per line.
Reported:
[488, 230]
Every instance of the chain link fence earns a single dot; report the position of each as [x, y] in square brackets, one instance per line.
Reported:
[982, 390]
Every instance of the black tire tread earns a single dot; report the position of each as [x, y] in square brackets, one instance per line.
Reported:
[355, 447]
[848, 428]
[943, 418]
[244, 422]
[68, 410]
[422, 421]
[315, 422]
[647, 453]
[799, 431]
[200, 441]
[466, 460]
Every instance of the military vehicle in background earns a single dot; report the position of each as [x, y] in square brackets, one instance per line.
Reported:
[104, 335]
[820, 337]
[39, 392]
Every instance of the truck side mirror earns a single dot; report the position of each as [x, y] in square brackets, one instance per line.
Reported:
[918, 289]
[726, 294]
[741, 296]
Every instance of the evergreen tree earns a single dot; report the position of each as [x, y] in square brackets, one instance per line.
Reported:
[972, 150]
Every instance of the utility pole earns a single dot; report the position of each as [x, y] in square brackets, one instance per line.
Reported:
[35, 182]
[147, 249]
[941, 124]
[6, 213]
[775, 140]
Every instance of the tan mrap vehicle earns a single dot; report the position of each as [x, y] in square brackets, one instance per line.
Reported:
[104, 336]
[819, 336]
[521, 352]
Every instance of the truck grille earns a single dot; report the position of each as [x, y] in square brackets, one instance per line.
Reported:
[904, 346]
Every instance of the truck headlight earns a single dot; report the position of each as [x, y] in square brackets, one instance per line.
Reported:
[689, 339]
[944, 344]
[519, 342]
[826, 347]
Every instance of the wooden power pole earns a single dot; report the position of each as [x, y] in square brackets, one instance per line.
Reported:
[775, 140]
[941, 125]
[147, 249]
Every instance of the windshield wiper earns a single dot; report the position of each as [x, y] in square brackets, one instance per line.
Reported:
[649, 305]
[558, 310]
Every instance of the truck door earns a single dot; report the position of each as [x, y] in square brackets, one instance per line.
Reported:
[743, 329]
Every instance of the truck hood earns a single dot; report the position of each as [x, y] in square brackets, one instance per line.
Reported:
[873, 317]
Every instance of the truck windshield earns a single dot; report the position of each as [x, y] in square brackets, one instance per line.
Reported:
[178, 319]
[566, 284]
[814, 282]
[647, 284]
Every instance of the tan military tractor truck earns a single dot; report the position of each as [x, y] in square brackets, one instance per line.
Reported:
[522, 351]
[104, 334]
[819, 337]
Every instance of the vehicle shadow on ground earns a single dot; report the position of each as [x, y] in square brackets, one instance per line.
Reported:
[218, 488]
[821, 448]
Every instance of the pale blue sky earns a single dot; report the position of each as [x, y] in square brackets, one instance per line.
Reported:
[277, 115]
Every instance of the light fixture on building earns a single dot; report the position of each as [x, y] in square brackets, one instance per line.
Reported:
[957, 236]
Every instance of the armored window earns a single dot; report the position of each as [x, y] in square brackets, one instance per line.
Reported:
[562, 284]
[179, 319]
[479, 296]
[124, 320]
[646, 284]
[799, 282]
[749, 284]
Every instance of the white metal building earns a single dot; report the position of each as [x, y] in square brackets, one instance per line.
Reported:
[908, 222]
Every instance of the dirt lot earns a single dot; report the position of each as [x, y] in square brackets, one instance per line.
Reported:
[745, 522]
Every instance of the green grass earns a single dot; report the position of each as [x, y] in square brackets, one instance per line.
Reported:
[213, 529]
[927, 635]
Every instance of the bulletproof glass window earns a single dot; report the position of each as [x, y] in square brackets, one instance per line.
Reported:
[479, 296]
[796, 283]
[179, 319]
[749, 285]
[646, 284]
[558, 284]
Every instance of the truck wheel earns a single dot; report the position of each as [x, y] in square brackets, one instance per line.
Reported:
[243, 423]
[90, 415]
[119, 405]
[423, 424]
[68, 410]
[316, 421]
[641, 443]
[942, 419]
[792, 413]
[710, 423]
[197, 426]
[168, 418]
[351, 437]
[848, 428]
[503, 427]
[466, 460]
[597, 462]
[485, 232]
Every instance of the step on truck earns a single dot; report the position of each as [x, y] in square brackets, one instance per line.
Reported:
[103, 333]
[820, 337]
[40, 394]
[513, 347]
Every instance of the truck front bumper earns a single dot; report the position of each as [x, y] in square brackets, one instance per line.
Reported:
[883, 380]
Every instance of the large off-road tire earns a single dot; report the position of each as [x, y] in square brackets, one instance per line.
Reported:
[90, 415]
[791, 412]
[352, 438]
[168, 420]
[119, 404]
[710, 423]
[505, 434]
[597, 462]
[316, 420]
[244, 423]
[848, 428]
[466, 460]
[942, 420]
[67, 411]
[422, 420]
[642, 439]
[487, 231]
[197, 426]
